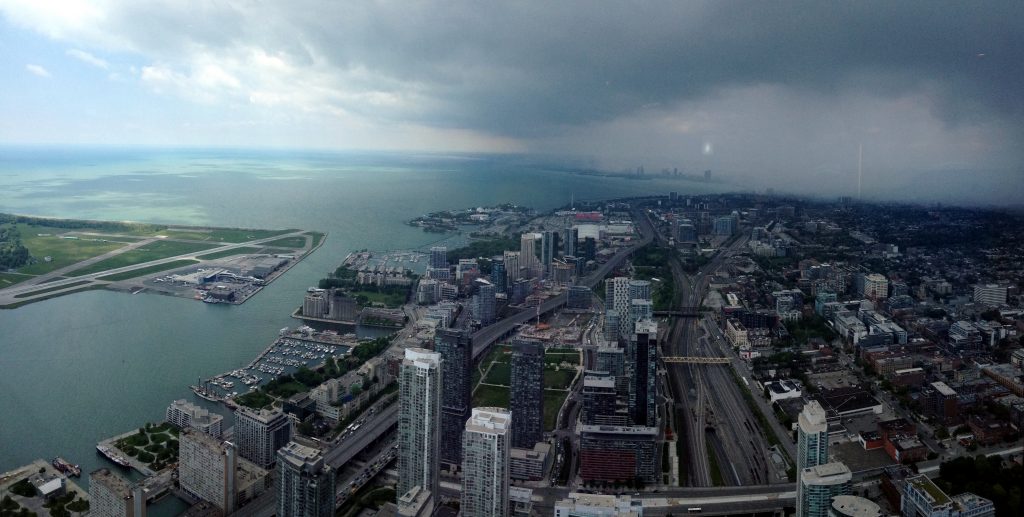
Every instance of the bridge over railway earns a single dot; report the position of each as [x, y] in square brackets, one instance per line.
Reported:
[682, 312]
[696, 360]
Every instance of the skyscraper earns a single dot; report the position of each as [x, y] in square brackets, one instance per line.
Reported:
[512, 265]
[498, 274]
[456, 349]
[812, 436]
[206, 468]
[527, 393]
[811, 445]
[528, 250]
[617, 299]
[260, 433]
[419, 420]
[569, 238]
[644, 392]
[111, 495]
[305, 483]
[486, 304]
[547, 251]
[439, 257]
[599, 401]
[485, 463]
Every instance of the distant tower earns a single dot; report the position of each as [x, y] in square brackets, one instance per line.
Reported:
[419, 420]
[860, 170]
[548, 246]
[485, 463]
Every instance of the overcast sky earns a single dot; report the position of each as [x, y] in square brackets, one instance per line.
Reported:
[773, 93]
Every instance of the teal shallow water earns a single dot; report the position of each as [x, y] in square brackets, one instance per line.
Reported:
[77, 369]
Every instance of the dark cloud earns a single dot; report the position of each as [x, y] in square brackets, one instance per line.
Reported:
[530, 68]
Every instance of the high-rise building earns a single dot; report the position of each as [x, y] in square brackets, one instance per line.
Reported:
[547, 252]
[260, 433]
[111, 495]
[316, 304]
[617, 299]
[211, 470]
[613, 360]
[644, 392]
[184, 414]
[486, 308]
[818, 485]
[528, 251]
[485, 463]
[639, 290]
[874, 286]
[812, 436]
[419, 420]
[725, 225]
[512, 267]
[600, 401]
[305, 483]
[578, 297]
[498, 274]
[811, 443]
[589, 249]
[992, 295]
[343, 307]
[570, 236]
[439, 257]
[527, 393]
[456, 349]
[599, 505]
[639, 310]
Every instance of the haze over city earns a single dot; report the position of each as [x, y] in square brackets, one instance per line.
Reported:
[425, 258]
[767, 95]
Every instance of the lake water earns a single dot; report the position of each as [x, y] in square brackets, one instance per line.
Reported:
[80, 368]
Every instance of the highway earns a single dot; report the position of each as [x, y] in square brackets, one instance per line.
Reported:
[485, 337]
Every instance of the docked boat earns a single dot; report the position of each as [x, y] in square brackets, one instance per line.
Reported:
[204, 394]
[113, 456]
[66, 467]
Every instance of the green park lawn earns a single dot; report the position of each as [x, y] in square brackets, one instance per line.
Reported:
[63, 252]
[149, 270]
[247, 250]
[153, 251]
[289, 242]
[222, 235]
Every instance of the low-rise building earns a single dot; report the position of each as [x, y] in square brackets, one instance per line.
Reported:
[923, 498]
[530, 464]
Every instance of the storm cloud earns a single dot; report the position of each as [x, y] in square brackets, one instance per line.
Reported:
[786, 87]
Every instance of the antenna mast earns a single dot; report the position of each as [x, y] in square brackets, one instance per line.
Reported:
[860, 169]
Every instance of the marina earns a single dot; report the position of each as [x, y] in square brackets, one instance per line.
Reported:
[292, 350]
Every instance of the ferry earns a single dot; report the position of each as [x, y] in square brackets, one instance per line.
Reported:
[66, 467]
[109, 453]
